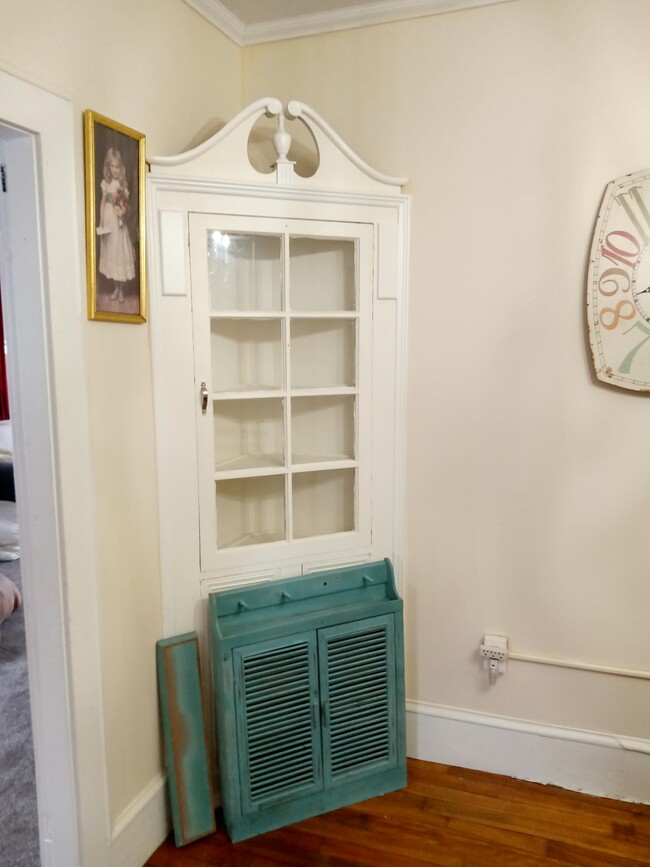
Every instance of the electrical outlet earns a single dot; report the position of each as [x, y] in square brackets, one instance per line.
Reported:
[494, 651]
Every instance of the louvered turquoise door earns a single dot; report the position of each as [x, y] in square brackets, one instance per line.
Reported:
[357, 672]
[342, 676]
[278, 720]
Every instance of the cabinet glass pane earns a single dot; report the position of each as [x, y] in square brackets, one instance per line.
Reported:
[248, 434]
[246, 354]
[322, 428]
[323, 502]
[244, 271]
[322, 274]
[250, 511]
[322, 353]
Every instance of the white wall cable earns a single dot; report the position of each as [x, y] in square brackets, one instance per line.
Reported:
[582, 666]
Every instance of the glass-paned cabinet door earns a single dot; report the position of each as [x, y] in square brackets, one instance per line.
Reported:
[282, 313]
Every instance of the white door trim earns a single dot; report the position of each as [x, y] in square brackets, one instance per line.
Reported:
[45, 313]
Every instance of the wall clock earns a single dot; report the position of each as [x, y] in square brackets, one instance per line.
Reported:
[618, 290]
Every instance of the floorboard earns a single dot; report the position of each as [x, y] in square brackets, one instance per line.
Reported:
[446, 816]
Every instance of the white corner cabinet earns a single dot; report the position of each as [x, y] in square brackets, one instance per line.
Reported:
[278, 340]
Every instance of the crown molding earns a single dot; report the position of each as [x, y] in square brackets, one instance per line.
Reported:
[361, 15]
[217, 14]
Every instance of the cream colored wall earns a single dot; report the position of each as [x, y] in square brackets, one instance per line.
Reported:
[155, 66]
[527, 482]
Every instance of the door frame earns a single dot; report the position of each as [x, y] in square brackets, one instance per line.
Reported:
[44, 311]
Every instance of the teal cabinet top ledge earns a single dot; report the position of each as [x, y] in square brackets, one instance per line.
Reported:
[316, 597]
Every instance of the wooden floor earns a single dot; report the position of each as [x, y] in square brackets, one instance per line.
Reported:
[445, 816]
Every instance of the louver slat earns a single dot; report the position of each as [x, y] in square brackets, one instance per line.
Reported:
[359, 702]
[275, 708]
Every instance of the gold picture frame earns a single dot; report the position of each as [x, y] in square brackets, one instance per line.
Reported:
[115, 169]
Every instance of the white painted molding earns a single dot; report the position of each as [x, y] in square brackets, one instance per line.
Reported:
[296, 109]
[267, 105]
[140, 828]
[44, 314]
[154, 790]
[225, 155]
[217, 14]
[597, 763]
[359, 15]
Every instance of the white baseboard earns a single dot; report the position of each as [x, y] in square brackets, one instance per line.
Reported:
[605, 765]
[142, 826]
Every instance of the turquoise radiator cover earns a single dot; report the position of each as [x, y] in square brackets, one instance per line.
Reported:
[309, 695]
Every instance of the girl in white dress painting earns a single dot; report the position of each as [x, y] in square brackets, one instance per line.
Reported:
[116, 254]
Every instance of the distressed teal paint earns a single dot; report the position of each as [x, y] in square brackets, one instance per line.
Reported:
[276, 706]
[309, 695]
[179, 685]
[358, 694]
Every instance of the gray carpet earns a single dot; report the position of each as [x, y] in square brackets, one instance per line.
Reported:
[18, 816]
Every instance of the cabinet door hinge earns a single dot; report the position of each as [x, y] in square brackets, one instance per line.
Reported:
[3, 177]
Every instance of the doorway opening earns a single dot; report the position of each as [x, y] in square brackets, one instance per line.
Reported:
[18, 810]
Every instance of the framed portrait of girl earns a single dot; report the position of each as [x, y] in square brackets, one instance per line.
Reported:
[115, 218]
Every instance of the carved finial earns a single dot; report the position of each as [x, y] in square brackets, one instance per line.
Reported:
[281, 139]
[282, 143]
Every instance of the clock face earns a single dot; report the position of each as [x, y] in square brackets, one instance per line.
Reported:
[618, 292]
